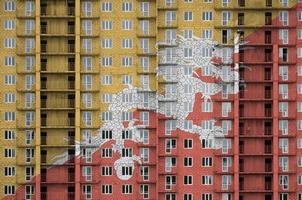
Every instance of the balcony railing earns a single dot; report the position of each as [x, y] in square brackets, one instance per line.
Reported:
[71, 11]
[43, 48]
[43, 121]
[43, 195]
[71, 121]
[71, 29]
[43, 159]
[268, 112]
[43, 177]
[43, 29]
[71, 177]
[71, 66]
[71, 140]
[71, 48]
[71, 195]
[43, 140]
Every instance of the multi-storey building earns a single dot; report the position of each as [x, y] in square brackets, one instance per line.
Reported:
[151, 99]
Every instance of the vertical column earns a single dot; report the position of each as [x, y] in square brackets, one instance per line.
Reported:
[236, 118]
[77, 100]
[37, 98]
[275, 122]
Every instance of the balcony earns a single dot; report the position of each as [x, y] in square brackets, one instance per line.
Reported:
[267, 92]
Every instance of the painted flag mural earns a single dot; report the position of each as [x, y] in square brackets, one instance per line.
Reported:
[151, 99]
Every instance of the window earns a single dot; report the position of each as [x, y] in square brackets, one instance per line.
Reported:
[283, 36]
[226, 17]
[127, 189]
[9, 135]
[29, 118]
[107, 189]
[170, 125]
[106, 79]
[144, 8]
[144, 190]
[106, 7]
[29, 154]
[9, 116]
[29, 45]
[106, 98]
[107, 116]
[207, 106]
[207, 196]
[188, 16]
[9, 171]
[299, 34]
[188, 197]
[29, 136]
[107, 43]
[29, 62]
[187, 34]
[87, 82]
[87, 173]
[87, 45]
[126, 25]
[87, 191]
[144, 136]
[9, 24]
[144, 153]
[188, 161]
[144, 45]
[207, 16]
[9, 6]
[283, 163]
[9, 43]
[87, 26]
[226, 108]
[29, 26]
[106, 153]
[206, 161]
[29, 173]
[188, 143]
[9, 153]
[144, 26]
[283, 145]
[299, 14]
[299, 52]
[144, 172]
[107, 25]
[283, 17]
[126, 61]
[188, 180]
[126, 6]
[170, 17]
[207, 34]
[144, 118]
[126, 43]
[87, 118]
[9, 61]
[29, 7]
[106, 171]
[87, 8]
[284, 181]
[9, 97]
[106, 61]
[29, 192]
[206, 180]
[207, 143]
[9, 189]
[226, 181]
